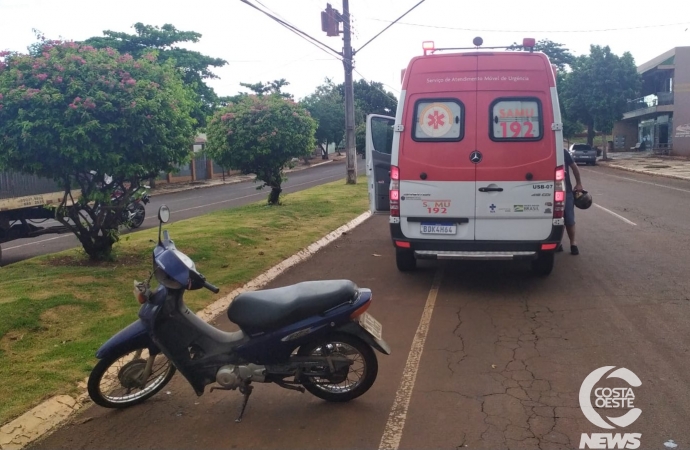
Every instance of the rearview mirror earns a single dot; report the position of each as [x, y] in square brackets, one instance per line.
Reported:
[164, 214]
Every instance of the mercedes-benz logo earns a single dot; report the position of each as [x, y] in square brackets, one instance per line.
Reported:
[476, 157]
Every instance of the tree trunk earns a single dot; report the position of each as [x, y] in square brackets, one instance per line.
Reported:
[590, 133]
[324, 151]
[274, 196]
[99, 248]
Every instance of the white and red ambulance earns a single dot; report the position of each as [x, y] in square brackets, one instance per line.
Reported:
[471, 167]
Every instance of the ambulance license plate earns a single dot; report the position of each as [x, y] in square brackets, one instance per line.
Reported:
[372, 325]
[438, 228]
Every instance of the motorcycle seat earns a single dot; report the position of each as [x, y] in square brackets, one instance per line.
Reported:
[270, 309]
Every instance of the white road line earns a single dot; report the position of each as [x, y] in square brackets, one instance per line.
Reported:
[639, 181]
[392, 434]
[614, 214]
[174, 212]
[246, 196]
[37, 242]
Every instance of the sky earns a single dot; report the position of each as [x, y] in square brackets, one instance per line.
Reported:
[259, 49]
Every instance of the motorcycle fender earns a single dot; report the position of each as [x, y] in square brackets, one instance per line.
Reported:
[132, 337]
[355, 329]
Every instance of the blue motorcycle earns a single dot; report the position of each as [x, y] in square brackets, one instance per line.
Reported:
[314, 335]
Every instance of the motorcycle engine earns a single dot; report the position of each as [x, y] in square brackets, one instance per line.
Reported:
[232, 376]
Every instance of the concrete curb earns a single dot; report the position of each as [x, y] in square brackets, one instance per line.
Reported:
[645, 172]
[231, 180]
[45, 417]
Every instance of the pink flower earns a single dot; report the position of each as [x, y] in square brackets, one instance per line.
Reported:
[0, 95]
[150, 56]
[59, 68]
[42, 76]
[228, 116]
[131, 81]
[4, 53]
[148, 116]
[58, 79]
[110, 51]
[77, 99]
[72, 106]
[133, 104]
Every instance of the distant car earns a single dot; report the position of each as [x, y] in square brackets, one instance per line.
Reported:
[583, 153]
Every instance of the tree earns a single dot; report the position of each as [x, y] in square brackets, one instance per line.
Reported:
[261, 135]
[74, 109]
[269, 88]
[194, 66]
[327, 106]
[598, 88]
[558, 54]
[370, 98]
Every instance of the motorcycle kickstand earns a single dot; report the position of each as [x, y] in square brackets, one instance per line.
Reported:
[247, 391]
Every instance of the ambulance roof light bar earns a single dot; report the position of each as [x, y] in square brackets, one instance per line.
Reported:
[429, 47]
[529, 43]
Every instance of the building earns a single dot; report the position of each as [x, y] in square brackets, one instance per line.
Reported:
[660, 119]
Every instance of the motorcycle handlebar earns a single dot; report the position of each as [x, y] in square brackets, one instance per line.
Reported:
[211, 287]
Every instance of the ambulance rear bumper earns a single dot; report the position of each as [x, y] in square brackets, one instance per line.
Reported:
[476, 250]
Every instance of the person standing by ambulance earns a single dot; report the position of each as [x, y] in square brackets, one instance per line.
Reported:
[569, 213]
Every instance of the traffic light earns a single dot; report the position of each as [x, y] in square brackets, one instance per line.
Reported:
[330, 20]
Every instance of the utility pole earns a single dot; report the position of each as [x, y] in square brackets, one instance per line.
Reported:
[350, 146]
[330, 18]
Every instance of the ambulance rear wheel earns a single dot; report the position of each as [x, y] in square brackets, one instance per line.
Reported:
[543, 265]
[405, 260]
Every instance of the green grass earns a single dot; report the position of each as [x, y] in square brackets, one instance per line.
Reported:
[56, 310]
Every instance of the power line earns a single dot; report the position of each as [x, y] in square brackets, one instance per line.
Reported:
[392, 23]
[534, 31]
[299, 32]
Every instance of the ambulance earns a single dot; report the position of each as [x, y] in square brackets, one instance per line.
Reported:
[471, 166]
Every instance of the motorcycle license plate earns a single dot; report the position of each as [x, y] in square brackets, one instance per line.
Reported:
[372, 325]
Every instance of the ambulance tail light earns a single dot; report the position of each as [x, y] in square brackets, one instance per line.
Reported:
[394, 193]
[559, 193]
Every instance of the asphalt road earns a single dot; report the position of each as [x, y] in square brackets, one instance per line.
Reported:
[183, 205]
[484, 355]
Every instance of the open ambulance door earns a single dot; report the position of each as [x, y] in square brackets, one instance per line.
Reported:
[379, 144]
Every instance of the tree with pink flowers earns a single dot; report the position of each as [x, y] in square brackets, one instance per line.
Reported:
[261, 134]
[77, 115]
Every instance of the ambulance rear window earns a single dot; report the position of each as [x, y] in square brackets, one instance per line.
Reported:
[438, 120]
[516, 119]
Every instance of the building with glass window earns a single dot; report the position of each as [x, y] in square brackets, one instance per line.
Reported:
[660, 119]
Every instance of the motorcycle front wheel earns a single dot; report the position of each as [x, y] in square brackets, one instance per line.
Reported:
[354, 381]
[139, 214]
[122, 381]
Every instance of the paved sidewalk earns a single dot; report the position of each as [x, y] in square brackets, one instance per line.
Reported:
[650, 164]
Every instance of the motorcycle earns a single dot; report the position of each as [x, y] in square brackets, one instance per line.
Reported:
[135, 212]
[133, 215]
[314, 336]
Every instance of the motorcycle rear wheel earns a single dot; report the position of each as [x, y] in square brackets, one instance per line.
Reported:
[360, 376]
[115, 382]
[138, 217]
